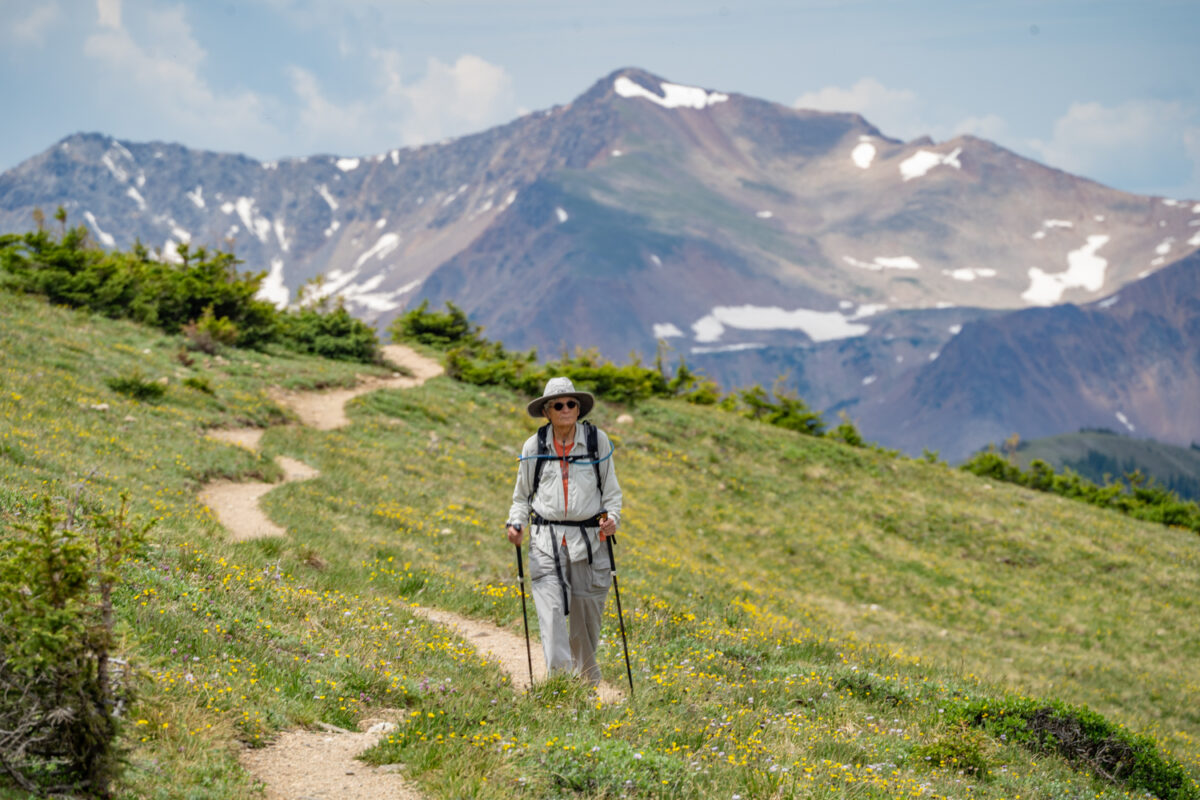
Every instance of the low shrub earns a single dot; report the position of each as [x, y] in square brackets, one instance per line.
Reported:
[1139, 498]
[441, 329]
[1085, 739]
[199, 383]
[959, 748]
[330, 334]
[210, 333]
[137, 386]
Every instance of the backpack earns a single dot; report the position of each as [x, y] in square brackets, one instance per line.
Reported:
[592, 438]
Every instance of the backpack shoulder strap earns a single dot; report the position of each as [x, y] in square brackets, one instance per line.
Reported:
[539, 462]
[593, 448]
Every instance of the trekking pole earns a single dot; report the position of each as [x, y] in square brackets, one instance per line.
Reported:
[524, 613]
[612, 563]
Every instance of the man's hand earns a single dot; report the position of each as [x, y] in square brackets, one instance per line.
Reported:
[608, 527]
[514, 534]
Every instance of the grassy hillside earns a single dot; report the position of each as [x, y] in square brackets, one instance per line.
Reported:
[1099, 454]
[805, 618]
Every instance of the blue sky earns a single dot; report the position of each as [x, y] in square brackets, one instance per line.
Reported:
[1108, 90]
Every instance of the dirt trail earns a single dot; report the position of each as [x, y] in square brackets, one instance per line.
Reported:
[302, 765]
[327, 410]
[506, 647]
[236, 504]
[307, 765]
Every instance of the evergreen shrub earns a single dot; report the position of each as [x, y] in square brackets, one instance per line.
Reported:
[61, 689]
[137, 386]
[330, 334]
[202, 294]
[1139, 498]
[1085, 739]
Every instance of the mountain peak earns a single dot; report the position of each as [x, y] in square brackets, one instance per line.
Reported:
[635, 82]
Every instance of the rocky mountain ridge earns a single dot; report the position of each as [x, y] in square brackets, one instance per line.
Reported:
[754, 239]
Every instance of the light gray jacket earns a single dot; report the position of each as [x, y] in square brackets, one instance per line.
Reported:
[583, 500]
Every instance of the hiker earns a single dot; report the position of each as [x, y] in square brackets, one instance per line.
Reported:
[562, 494]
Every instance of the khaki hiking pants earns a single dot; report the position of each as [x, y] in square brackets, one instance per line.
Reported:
[569, 641]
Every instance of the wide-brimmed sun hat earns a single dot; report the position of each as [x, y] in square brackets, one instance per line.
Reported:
[561, 387]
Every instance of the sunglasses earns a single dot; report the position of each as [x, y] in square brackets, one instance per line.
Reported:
[560, 405]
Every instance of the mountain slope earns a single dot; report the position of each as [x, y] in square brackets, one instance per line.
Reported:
[757, 240]
[820, 610]
[1132, 360]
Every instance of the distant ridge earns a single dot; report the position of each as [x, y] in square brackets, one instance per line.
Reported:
[754, 239]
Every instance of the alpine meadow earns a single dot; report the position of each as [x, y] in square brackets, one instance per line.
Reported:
[808, 616]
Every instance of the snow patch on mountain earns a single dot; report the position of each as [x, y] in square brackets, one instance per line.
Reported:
[884, 262]
[1108, 302]
[272, 288]
[674, 95]
[863, 153]
[918, 164]
[561, 214]
[365, 296]
[1124, 420]
[347, 164]
[323, 190]
[381, 249]
[284, 244]
[196, 196]
[729, 348]
[1085, 270]
[118, 173]
[106, 239]
[868, 310]
[259, 225]
[820, 326]
[764, 214]
[137, 198]
[969, 273]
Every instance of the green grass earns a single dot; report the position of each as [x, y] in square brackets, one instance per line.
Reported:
[803, 616]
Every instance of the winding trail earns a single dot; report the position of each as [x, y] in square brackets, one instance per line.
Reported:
[305, 765]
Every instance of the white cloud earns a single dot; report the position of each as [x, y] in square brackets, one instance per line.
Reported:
[164, 77]
[32, 29]
[1139, 145]
[989, 126]
[448, 100]
[109, 12]
[893, 111]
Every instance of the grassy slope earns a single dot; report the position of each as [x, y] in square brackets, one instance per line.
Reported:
[1175, 467]
[800, 611]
